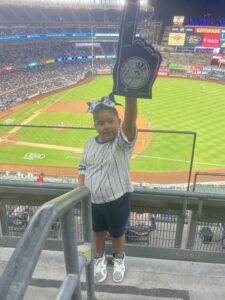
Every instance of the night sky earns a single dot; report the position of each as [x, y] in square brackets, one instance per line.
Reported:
[207, 9]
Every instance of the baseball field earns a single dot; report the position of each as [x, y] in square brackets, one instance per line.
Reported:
[177, 105]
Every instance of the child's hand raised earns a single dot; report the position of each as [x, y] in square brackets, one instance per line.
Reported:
[137, 62]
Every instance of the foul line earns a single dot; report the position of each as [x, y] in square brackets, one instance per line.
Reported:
[181, 160]
[46, 146]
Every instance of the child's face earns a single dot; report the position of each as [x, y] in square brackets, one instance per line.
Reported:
[107, 125]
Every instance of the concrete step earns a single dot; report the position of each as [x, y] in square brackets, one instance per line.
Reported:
[145, 279]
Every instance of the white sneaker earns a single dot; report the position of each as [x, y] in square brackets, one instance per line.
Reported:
[119, 269]
[100, 269]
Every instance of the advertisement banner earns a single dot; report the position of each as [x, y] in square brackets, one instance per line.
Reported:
[163, 67]
[189, 29]
[211, 40]
[193, 40]
[163, 73]
[209, 30]
[178, 20]
[222, 40]
[219, 71]
[206, 69]
[103, 71]
[8, 68]
[176, 39]
[182, 29]
[50, 61]
[177, 29]
[87, 44]
[177, 67]
[196, 68]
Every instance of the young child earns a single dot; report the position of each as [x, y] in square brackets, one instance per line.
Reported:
[104, 169]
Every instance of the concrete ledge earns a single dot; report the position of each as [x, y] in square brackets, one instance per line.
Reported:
[151, 278]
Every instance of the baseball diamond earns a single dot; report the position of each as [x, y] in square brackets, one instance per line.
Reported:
[156, 155]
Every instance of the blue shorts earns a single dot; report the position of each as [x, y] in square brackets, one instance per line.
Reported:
[112, 216]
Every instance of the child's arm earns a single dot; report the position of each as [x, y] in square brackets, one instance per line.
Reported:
[130, 117]
[81, 178]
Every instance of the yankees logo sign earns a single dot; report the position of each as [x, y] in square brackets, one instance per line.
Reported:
[135, 73]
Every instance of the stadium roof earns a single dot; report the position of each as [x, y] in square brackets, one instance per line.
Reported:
[104, 4]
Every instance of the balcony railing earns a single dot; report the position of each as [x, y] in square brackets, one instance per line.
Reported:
[163, 224]
[18, 272]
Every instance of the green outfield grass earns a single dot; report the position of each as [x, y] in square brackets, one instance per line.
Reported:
[49, 157]
[177, 104]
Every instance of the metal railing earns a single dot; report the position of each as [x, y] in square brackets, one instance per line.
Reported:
[180, 218]
[162, 150]
[19, 270]
[182, 221]
[210, 177]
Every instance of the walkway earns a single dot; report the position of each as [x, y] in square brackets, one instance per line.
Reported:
[145, 279]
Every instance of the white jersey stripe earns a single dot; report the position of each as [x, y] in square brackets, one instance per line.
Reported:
[106, 168]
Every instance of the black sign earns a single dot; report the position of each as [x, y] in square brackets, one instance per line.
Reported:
[193, 40]
[137, 62]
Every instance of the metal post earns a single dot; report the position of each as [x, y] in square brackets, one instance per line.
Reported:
[92, 51]
[195, 180]
[4, 220]
[87, 229]
[192, 231]
[70, 250]
[179, 230]
[67, 287]
[192, 160]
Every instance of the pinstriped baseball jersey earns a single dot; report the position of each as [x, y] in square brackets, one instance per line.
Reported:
[106, 168]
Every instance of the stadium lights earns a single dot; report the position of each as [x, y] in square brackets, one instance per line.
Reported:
[73, 3]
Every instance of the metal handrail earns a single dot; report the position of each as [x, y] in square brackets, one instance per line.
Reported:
[200, 173]
[199, 208]
[19, 270]
[190, 133]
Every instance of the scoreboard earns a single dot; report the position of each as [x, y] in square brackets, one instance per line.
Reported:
[196, 36]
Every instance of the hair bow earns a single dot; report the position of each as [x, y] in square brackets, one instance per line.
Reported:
[106, 100]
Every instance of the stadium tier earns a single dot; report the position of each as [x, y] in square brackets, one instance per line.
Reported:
[77, 12]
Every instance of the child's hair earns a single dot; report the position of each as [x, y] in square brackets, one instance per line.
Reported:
[106, 103]
[101, 107]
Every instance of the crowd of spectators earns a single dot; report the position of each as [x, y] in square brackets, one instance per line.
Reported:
[22, 82]
[19, 85]
[193, 59]
[54, 29]
[25, 52]
[28, 15]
